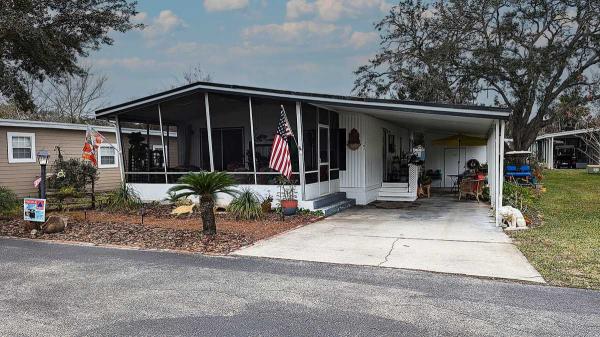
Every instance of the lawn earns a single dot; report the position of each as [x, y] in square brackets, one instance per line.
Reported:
[566, 248]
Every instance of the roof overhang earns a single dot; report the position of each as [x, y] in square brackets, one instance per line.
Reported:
[341, 102]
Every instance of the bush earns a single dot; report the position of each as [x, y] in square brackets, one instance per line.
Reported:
[8, 201]
[73, 173]
[246, 206]
[64, 193]
[124, 198]
[519, 197]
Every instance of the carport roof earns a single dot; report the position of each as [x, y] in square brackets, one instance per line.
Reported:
[333, 101]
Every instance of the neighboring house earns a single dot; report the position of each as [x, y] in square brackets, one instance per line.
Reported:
[563, 149]
[345, 144]
[20, 140]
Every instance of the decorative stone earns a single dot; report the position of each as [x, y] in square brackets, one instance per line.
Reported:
[181, 210]
[54, 224]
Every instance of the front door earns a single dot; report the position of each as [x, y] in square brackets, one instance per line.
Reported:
[323, 141]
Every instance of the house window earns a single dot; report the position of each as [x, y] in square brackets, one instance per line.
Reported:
[107, 156]
[21, 147]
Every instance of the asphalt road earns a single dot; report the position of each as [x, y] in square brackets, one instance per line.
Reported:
[65, 290]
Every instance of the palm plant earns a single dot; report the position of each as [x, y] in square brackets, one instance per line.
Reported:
[246, 206]
[205, 185]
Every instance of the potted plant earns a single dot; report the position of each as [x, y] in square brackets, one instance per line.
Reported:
[287, 196]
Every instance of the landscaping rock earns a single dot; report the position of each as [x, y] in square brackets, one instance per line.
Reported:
[54, 224]
[181, 210]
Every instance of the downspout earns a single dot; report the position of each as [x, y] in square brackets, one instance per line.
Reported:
[120, 146]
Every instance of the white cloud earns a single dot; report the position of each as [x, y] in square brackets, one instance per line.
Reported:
[332, 10]
[292, 31]
[361, 39]
[140, 17]
[131, 63]
[224, 5]
[165, 22]
[297, 8]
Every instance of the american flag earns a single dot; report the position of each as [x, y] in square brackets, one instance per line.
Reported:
[280, 152]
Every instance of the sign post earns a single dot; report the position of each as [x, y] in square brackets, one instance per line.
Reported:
[34, 209]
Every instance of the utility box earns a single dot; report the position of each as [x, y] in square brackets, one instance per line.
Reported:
[593, 169]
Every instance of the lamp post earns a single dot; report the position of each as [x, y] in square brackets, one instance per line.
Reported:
[42, 157]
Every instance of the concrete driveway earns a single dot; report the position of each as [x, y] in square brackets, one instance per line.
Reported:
[440, 234]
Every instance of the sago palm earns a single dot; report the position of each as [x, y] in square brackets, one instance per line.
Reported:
[205, 186]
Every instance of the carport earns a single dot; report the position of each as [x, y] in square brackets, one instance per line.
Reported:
[440, 234]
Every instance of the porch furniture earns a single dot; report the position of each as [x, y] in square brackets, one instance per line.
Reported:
[471, 186]
[521, 175]
[454, 179]
[424, 191]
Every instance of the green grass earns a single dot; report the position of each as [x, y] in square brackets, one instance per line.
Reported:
[566, 248]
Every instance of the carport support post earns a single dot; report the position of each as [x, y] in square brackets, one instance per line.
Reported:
[501, 168]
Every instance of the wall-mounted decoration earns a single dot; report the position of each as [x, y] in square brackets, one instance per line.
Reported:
[353, 140]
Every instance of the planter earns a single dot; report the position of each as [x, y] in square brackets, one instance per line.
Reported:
[289, 207]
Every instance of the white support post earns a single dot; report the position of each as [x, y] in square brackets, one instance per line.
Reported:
[209, 131]
[501, 166]
[252, 135]
[551, 153]
[497, 176]
[300, 149]
[121, 152]
[162, 141]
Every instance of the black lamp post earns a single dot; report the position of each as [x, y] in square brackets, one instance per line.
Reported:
[42, 157]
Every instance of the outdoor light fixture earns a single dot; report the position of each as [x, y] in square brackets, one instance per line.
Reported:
[42, 157]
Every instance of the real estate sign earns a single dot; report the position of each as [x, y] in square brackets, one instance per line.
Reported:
[34, 209]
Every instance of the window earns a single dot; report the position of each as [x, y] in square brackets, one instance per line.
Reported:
[107, 156]
[21, 147]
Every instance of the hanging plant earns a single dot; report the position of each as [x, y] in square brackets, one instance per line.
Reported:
[353, 140]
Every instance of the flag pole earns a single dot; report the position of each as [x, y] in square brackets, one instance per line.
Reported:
[288, 123]
[105, 139]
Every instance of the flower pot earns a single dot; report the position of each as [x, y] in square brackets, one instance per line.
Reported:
[289, 207]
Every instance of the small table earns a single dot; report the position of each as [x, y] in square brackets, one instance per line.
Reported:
[454, 178]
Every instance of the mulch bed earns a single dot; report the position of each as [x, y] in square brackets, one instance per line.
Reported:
[160, 230]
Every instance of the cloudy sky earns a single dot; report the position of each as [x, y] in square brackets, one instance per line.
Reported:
[306, 45]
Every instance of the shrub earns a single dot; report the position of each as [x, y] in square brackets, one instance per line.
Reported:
[246, 206]
[73, 173]
[124, 198]
[8, 201]
[65, 192]
[520, 197]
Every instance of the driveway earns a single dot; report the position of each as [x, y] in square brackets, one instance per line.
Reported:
[50, 289]
[440, 234]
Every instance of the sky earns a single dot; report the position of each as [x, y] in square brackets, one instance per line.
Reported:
[303, 45]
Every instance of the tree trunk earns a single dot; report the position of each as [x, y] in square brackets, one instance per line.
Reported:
[207, 205]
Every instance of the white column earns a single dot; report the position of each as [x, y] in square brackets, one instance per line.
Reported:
[299, 137]
[120, 146]
[209, 130]
[551, 153]
[501, 167]
[162, 141]
[252, 135]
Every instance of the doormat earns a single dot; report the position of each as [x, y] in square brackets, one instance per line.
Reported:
[396, 204]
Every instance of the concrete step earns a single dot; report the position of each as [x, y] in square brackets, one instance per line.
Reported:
[398, 198]
[392, 191]
[395, 185]
[328, 200]
[337, 207]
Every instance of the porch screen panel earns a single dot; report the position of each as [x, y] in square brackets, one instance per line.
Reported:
[334, 147]
[265, 117]
[140, 137]
[309, 127]
[185, 136]
[231, 136]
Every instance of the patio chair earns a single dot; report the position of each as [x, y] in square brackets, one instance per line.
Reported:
[470, 186]
[521, 176]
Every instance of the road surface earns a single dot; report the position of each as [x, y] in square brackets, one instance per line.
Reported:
[49, 289]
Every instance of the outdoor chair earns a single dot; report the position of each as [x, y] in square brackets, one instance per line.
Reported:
[470, 186]
[521, 176]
